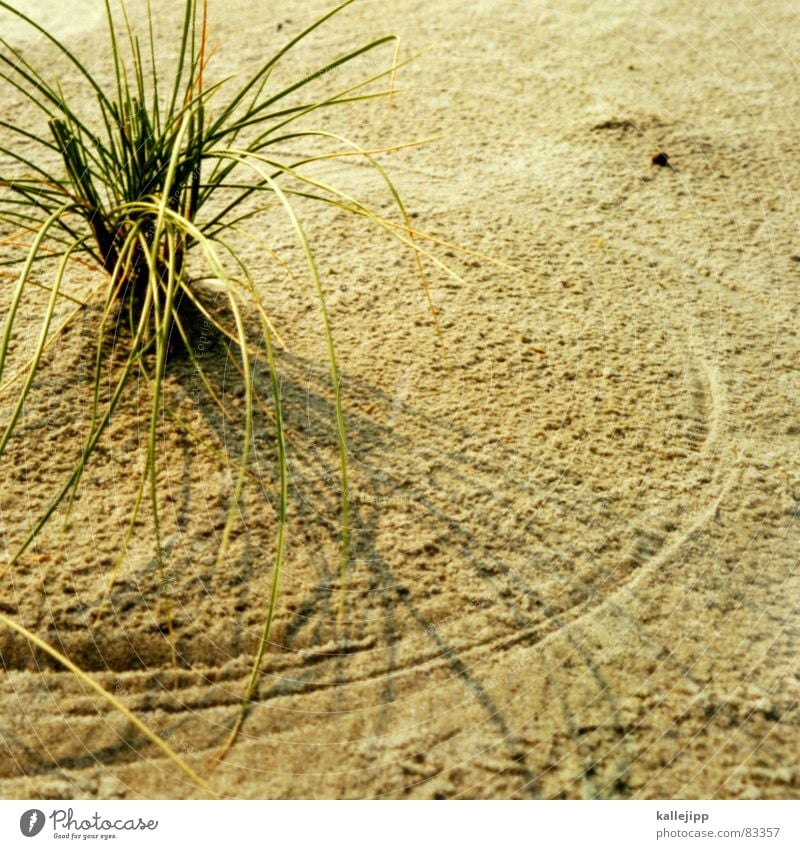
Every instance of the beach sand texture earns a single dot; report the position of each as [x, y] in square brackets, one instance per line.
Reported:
[576, 530]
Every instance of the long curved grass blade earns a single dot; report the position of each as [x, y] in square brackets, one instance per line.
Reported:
[336, 380]
[53, 336]
[91, 443]
[248, 87]
[111, 699]
[129, 197]
[162, 344]
[58, 44]
[37, 356]
[402, 233]
[248, 429]
[294, 113]
[20, 288]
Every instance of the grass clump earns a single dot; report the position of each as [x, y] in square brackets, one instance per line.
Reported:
[150, 184]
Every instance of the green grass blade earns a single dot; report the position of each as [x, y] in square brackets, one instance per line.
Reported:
[112, 700]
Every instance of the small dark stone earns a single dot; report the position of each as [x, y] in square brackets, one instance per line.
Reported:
[661, 159]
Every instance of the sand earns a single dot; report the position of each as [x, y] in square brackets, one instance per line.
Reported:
[576, 538]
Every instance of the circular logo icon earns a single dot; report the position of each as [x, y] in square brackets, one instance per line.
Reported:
[31, 822]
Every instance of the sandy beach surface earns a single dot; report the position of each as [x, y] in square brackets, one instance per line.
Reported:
[575, 542]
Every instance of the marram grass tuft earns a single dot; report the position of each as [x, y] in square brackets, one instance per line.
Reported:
[163, 170]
